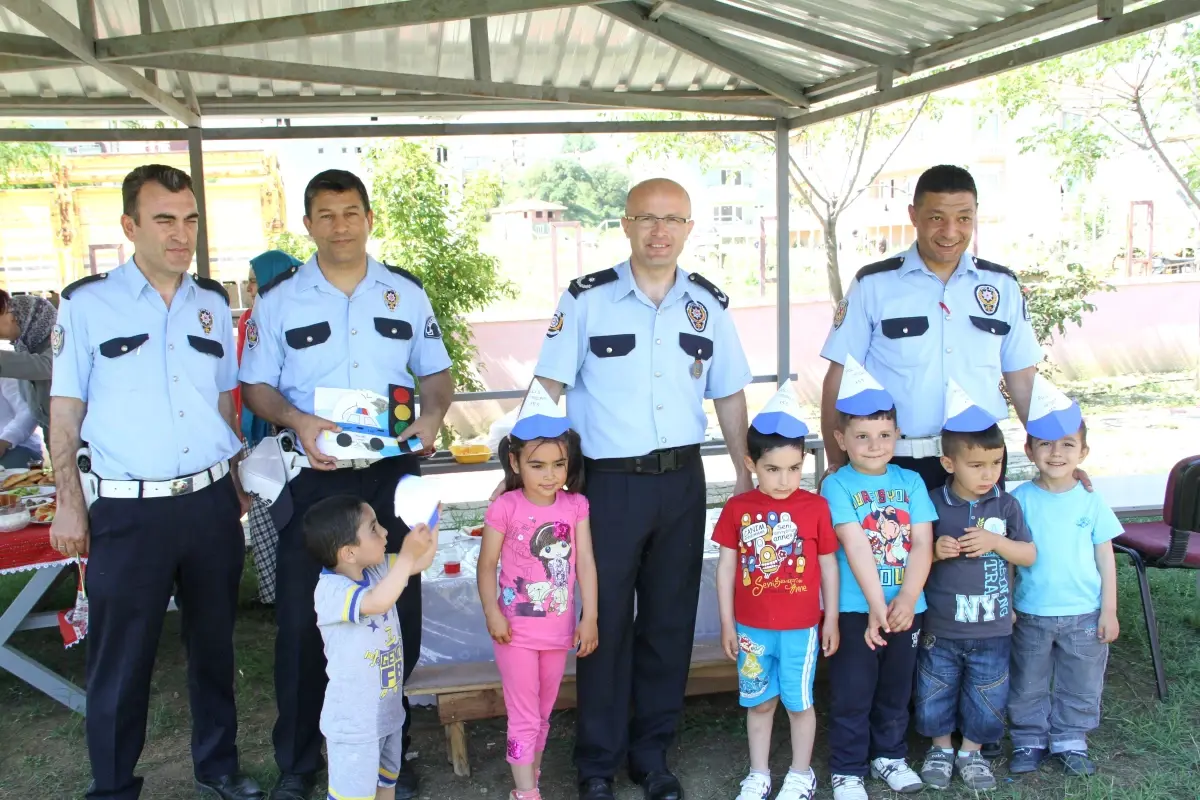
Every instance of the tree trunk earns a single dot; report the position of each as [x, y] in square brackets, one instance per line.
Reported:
[832, 272]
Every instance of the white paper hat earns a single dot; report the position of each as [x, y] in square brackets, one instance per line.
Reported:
[962, 413]
[1052, 415]
[540, 417]
[859, 393]
[781, 414]
[416, 502]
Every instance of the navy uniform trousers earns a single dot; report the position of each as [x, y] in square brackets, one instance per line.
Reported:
[648, 538]
[142, 551]
[300, 677]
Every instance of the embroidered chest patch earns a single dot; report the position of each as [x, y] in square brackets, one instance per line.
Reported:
[697, 315]
[988, 298]
[206, 320]
[251, 333]
[391, 298]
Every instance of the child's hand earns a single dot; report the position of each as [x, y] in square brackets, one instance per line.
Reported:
[1108, 628]
[498, 629]
[729, 642]
[946, 547]
[831, 637]
[900, 613]
[587, 637]
[419, 548]
[877, 619]
[977, 542]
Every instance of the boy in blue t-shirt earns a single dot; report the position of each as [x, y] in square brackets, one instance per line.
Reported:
[1066, 602]
[882, 516]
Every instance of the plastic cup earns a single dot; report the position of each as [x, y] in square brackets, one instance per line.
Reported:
[453, 567]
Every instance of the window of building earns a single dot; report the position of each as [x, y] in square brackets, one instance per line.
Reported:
[727, 213]
[539, 215]
[441, 154]
[731, 177]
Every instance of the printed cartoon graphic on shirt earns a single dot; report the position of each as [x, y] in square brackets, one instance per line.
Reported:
[993, 604]
[889, 530]
[752, 678]
[390, 661]
[550, 544]
[771, 553]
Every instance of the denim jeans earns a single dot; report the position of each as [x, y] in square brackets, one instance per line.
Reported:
[1057, 679]
[962, 684]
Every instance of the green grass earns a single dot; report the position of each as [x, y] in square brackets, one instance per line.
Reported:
[1178, 389]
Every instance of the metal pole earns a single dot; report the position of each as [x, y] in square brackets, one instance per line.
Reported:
[783, 351]
[196, 152]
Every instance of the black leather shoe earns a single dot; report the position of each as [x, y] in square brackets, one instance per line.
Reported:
[596, 789]
[294, 787]
[661, 786]
[230, 787]
[991, 750]
[407, 782]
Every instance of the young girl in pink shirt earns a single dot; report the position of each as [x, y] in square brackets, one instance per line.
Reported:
[538, 531]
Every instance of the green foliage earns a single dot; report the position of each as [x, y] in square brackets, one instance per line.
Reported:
[300, 247]
[24, 157]
[423, 232]
[578, 143]
[1053, 300]
[591, 196]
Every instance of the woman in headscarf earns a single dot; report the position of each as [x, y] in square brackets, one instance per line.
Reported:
[28, 322]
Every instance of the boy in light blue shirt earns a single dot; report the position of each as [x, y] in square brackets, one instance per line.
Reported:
[1066, 602]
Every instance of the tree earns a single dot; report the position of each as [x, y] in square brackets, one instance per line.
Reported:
[297, 246]
[831, 163]
[423, 232]
[590, 196]
[578, 143]
[24, 157]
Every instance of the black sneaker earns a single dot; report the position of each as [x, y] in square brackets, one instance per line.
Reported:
[1076, 762]
[1026, 759]
[991, 750]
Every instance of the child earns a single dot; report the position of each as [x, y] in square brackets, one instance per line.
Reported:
[540, 535]
[767, 584]
[1067, 600]
[882, 517]
[962, 666]
[356, 613]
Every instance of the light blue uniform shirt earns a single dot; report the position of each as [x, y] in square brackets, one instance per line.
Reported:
[886, 506]
[912, 332]
[630, 366]
[1064, 581]
[305, 333]
[150, 375]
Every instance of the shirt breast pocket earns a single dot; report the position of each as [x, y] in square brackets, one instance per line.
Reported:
[206, 356]
[308, 336]
[698, 349]
[118, 366]
[988, 337]
[906, 338]
[612, 346]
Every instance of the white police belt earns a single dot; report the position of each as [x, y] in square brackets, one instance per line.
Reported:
[172, 488]
[357, 463]
[926, 447]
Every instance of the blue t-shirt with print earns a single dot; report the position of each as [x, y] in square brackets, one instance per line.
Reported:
[1064, 581]
[886, 506]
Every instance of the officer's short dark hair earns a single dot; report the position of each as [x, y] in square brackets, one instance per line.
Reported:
[512, 446]
[955, 442]
[172, 179]
[335, 180]
[944, 179]
[330, 525]
[758, 444]
[1030, 441]
[844, 419]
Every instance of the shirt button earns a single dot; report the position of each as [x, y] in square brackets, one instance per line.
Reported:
[356, 365]
[181, 413]
[185, 449]
[169, 347]
[663, 440]
[309, 338]
[659, 406]
[658, 374]
[175, 378]
[658, 341]
[124, 348]
[607, 349]
[904, 330]
[394, 330]
[949, 349]
[353, 332]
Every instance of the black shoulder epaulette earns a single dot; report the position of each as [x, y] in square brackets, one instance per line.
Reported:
[406, 274]
[212, 286]
[278, 279]
[70, 290]
[887, 265]
[700, 280]
[591, 281]
[990, 267]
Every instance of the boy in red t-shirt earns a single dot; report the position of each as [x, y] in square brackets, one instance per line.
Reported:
[777, 559]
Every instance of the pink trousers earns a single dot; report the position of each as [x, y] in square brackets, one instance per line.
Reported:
[531, 679]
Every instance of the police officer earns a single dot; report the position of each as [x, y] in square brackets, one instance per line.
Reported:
[144, 367]
[638, 348]
[928, 315]
[341, 321]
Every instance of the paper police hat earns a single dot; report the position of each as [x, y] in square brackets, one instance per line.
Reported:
[962, 413]
[540, 417]
[1052, 415]
[265, 473]
[416, 502]
[781, 414]
[860, 394]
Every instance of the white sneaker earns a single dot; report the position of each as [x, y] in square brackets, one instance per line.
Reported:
[756, 786]
[897, 774]
[849, 787]
[798, 787]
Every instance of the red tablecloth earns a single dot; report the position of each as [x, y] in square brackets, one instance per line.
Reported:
[28, 548]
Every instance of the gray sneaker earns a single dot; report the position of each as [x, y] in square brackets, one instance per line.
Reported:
[938, 767]
[975, 772]
[1076, 762]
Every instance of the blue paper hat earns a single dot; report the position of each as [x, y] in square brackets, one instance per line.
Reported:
[963, 415]
[540, 417]
[416, 502]
[859, 394]
[781, 415]
[1052, 415]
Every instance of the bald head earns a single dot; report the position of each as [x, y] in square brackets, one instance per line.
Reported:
[658, 191]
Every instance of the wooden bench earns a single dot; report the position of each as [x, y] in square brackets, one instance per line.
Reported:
[467, 692]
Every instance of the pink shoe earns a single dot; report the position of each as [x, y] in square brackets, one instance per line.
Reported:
[533, 795]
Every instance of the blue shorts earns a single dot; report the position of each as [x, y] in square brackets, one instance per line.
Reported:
[777, 664]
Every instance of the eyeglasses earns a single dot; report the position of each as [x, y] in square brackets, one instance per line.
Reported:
[649, 221]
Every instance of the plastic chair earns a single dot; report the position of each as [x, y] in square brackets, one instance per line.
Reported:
[1173, 543]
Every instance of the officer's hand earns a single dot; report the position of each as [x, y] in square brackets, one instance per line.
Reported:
[425, 429]
[69, 533]
[243, 498]
[308, 429]
[499, 490]
[4, 447]
[946, 547]
[1083, 478]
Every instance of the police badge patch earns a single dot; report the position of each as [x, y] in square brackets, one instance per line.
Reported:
[58, 338]
[251, 333]
[206, 320]
[697, 315]
[432, 330]
[556, 325]
[988, 298]
[839, 313]
[391, 298]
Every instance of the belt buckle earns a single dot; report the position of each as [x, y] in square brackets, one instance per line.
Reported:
[668, 461]
[181, 486]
